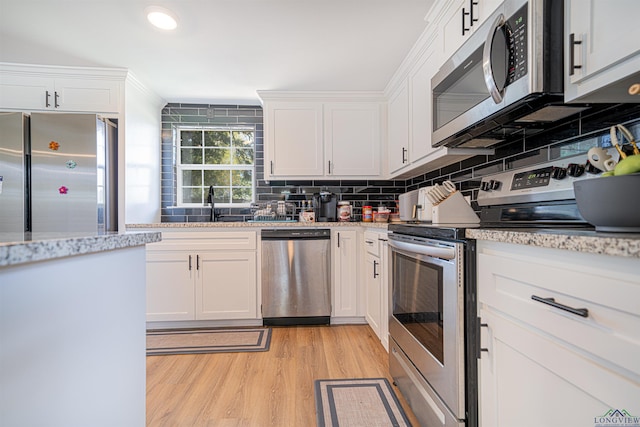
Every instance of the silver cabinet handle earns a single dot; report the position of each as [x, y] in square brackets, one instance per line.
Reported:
[271, 166]
[471, 17]
[189, 262]
[375, 273]
[486, 62]
[329, 167]
[46, 99]
[582, 312]
[404, 157]
[197, 262]
[465, 29]
[56, 104]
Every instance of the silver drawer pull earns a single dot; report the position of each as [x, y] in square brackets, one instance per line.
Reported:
[583, 312]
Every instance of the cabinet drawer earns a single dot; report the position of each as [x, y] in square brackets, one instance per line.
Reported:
[206, 240]
[371, 243]
[608, 287]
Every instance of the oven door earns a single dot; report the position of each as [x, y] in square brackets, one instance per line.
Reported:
[427, 320]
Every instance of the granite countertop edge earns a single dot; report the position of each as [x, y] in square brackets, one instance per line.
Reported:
[15, 253]
[595, 243]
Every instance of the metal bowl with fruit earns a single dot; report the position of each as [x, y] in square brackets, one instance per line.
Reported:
[611, 202]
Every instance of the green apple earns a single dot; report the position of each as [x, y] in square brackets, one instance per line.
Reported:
[629, 165]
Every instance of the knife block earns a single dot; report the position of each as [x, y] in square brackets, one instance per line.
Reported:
[454, 210]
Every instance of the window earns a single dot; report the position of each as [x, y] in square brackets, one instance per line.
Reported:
[218, 157]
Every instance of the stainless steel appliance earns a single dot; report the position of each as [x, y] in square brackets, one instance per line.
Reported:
[434, 328]
[58, 174]
[296, 286]
[325, 206]
[507, 76]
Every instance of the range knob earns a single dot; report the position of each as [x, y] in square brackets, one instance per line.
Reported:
[589, 168]
[494, 185]
[558, 173]
[575, 169]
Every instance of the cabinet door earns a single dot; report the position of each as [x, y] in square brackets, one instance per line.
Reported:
[421, 106]
[352, 139]
[26, 93]
[294, 140]
[530, 380]
[608, 31]
[100, 96]
[170, 285]
[373, 291]
[345, 283]
[226, 287]
[398, 145]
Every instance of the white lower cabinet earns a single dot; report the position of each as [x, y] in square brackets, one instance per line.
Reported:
[376, 284]
[202, 276]
[344, 292]
[544, 363]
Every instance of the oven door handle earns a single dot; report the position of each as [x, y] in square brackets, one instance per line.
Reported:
[426, 249]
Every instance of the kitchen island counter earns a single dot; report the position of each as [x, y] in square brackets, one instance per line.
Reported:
[72, 323]
[46, 246]
[587, 241]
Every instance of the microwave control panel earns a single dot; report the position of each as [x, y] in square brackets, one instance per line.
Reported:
[516, 33]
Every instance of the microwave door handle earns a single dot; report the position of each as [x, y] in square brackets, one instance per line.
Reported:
[486, 61]
[428, 250]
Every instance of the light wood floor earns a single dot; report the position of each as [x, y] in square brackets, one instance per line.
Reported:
[273, 388]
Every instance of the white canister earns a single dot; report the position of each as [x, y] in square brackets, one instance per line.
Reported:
[344, 211]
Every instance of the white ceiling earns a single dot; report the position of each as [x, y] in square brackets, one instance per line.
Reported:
[223, 50]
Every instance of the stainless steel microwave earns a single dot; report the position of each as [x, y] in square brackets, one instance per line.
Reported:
[507, 76]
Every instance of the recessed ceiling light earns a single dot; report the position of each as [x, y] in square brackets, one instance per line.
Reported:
[161, 18]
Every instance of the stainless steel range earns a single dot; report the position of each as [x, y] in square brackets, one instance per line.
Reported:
[433, 327]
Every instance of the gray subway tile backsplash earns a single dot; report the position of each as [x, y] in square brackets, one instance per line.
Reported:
[573, 138]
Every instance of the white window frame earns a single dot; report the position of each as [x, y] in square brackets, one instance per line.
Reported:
[180, 167]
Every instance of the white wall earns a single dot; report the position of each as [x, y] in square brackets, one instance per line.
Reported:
[143, 114]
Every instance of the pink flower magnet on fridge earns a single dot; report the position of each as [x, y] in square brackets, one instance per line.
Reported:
[63, 190]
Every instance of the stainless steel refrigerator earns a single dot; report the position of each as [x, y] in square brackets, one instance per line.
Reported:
[57, 173]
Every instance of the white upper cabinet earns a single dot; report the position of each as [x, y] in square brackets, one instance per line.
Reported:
[294, 144]
[65, 89]
[322, 135]
[352, 139]
[398, 138]
[601, 47]
[460, 18]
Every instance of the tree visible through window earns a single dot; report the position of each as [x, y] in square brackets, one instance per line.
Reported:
[220, 157]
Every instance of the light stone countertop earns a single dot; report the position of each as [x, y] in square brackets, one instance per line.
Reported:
[257, 224]
[587, 241]
[47, 246]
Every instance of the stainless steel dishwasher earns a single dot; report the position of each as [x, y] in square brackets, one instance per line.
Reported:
[296, 286]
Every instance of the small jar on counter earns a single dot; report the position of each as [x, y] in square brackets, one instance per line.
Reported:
[367, 214]
[344, 211]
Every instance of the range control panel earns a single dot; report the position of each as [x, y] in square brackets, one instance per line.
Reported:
[545, 182]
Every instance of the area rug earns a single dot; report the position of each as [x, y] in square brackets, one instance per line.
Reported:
[358, 402]
[193, 341]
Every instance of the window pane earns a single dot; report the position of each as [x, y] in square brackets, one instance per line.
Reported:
[242, 138]
[217, 138]
[192, 178]
[191, 156]
[221, 195]
[192, 195]
[191, 138]
[217, 178]
[241, 195]
[242, 156]
[241, 178]
[217, 156]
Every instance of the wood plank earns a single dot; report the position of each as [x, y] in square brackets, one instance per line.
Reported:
[273, 388]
